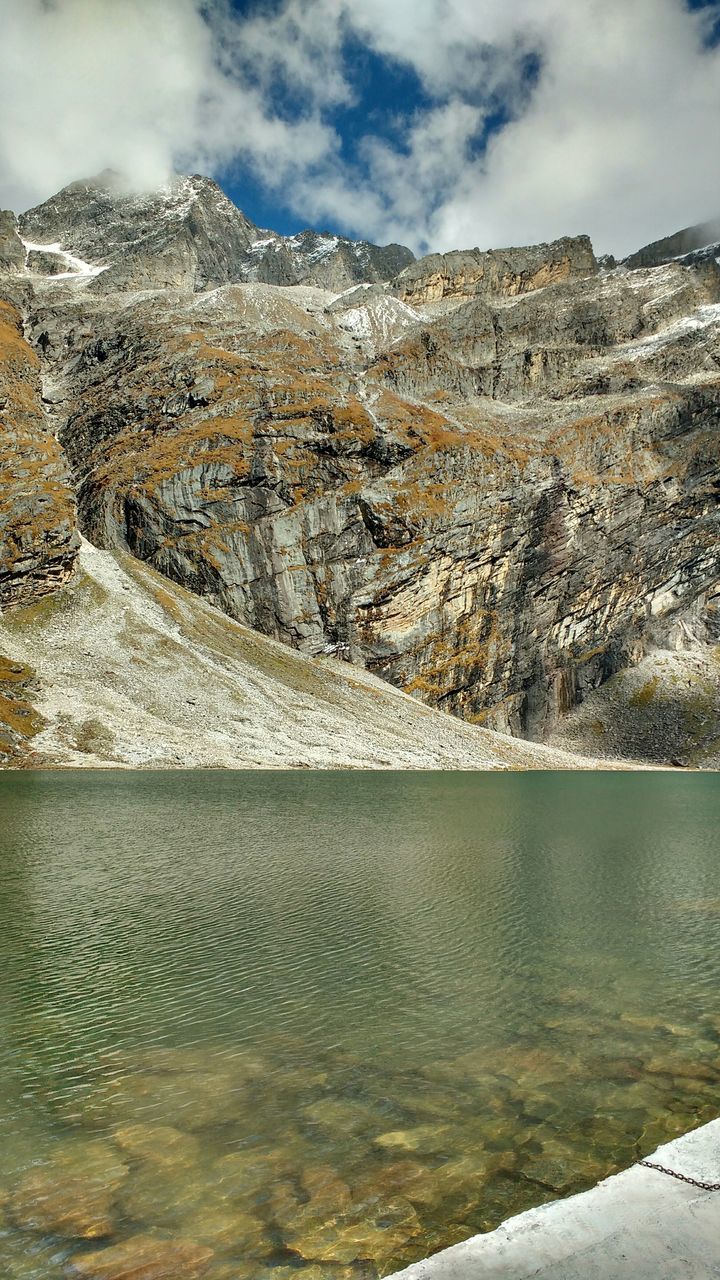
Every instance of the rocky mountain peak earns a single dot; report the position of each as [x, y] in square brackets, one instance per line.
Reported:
[184, 233]
[187, 234]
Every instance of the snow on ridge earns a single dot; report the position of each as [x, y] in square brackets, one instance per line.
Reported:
[704, 248]
[323, 246]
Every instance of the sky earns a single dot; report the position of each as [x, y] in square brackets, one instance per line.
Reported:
[439, 124]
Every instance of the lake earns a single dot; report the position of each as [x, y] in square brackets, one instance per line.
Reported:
[253, 1023]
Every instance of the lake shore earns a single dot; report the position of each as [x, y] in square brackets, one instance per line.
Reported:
[639, 1223]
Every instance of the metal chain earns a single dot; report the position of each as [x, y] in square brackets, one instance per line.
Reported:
[681, 1177]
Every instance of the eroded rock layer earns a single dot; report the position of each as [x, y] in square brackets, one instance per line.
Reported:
[504, 272]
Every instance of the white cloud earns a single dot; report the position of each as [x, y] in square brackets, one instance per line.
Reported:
[618, 139]
[616, 136]
[144, 86]
[86, 85]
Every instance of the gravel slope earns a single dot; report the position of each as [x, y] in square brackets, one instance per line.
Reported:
[131, 670]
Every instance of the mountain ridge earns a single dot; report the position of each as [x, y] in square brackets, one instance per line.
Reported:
[256, 249]
[189, 233]
[702, 239]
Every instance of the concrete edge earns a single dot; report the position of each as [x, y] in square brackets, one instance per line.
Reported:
[636, 1214]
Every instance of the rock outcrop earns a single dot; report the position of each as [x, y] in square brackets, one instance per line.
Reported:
[497, 272]
[38, 536]
[12, 249]
[488, 481]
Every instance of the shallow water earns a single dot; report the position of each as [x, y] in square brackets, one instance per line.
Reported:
[337, 1021]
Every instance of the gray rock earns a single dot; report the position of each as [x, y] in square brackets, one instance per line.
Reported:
[38, 532]
[488, 512]
[43, 263]
[703, 235]
[12, 249]
[505, 272]
[189, 235]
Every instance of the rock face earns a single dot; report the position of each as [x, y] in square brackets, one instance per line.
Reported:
[667, 708]
[691, 240]
[488, 481]
[19, 721]
[125, 667]
[12, 249]
[327, 261]
[38, 537]
[189, 235]
[499, 272]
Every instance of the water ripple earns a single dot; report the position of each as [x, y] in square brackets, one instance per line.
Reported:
[448, 996]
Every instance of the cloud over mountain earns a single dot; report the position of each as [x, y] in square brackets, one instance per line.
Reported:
[515, 122]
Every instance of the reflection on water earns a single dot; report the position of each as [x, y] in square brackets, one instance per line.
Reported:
[258, 1023]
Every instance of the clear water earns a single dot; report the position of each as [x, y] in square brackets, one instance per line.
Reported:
[261, 1022]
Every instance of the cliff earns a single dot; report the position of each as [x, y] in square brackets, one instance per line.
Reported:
[121, 668]
[38, 537]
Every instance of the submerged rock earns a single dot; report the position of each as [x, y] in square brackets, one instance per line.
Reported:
[157, 1197]
[184, 1100]
[241, 1175]
[143, 1257]
[377, 1235]
[426, 1139]
[157, 1144]
[414, 1181]
[73, 1194]
[229, 1230]
[340, 1115]
[326, 1191]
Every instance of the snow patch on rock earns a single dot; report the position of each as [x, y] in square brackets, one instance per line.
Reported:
[702, 318]
[77, 267]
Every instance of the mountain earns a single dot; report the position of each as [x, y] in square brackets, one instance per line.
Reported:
[188, 234]
[700, 242]
[491, 480]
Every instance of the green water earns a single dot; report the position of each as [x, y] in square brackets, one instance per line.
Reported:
[337, 1021]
